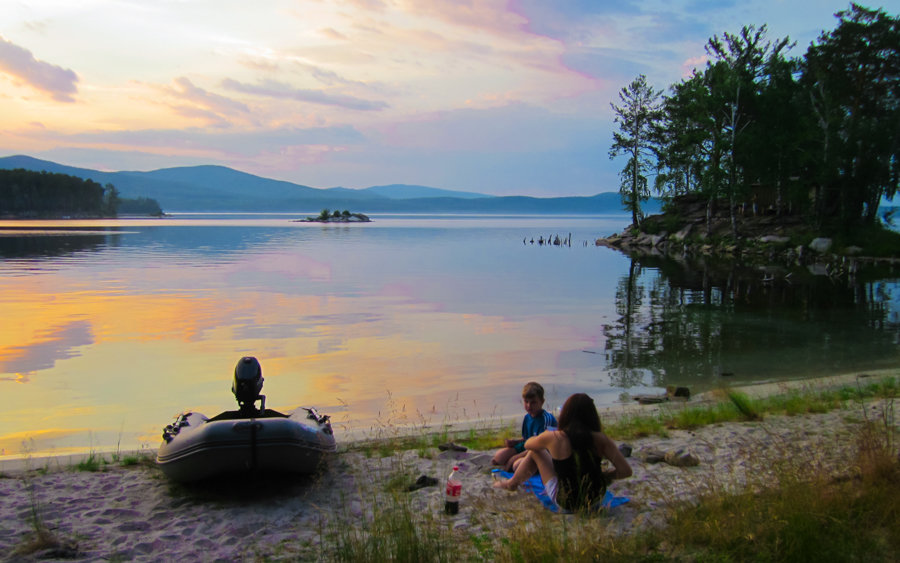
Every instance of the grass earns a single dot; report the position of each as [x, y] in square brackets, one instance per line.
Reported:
[737, 407]
[391, 530]
[42, 539]
[93, 462]
[803, 512]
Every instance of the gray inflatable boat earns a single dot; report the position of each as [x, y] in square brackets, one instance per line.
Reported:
[249, 439]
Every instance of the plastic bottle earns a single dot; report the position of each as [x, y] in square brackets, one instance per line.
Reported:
[453, 492]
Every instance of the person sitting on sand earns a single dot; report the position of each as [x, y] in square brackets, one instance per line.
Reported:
[569, 459]
[536, 421]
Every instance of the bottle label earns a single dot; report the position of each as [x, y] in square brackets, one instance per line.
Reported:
[454, 488]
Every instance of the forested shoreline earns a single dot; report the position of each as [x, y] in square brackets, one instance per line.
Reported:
[25, 194]
[756, 131]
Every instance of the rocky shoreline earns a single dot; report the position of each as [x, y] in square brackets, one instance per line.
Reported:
[685, 232]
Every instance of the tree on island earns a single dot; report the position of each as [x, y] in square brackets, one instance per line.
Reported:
[328, 216]
[852, 75]
[817, 137]
[637, 138]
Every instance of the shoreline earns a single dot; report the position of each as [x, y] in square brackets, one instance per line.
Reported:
[17, 464]
[135, 513]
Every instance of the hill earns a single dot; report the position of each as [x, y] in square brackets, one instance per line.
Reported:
[406, 191]
[218, 188]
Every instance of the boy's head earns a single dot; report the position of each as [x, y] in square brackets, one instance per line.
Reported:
[533, 398]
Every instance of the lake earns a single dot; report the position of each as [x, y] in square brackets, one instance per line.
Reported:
[111, 328]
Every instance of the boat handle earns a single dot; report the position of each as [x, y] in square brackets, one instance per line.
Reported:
[246, 426]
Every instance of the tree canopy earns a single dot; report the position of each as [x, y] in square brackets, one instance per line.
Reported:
[817, 135]
[24, 193]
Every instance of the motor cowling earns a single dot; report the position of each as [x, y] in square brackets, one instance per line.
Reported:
[248, 382]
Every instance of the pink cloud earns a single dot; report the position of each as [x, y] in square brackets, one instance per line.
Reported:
[17, 61]
[221, 105]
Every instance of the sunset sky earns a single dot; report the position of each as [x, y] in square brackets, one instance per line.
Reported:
[507, 97]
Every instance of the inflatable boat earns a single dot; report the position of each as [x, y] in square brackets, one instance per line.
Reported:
[249, 439]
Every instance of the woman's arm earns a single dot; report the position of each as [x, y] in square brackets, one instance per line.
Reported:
[541, 441]
[607, 448]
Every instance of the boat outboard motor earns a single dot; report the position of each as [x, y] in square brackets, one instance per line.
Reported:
[248, 382]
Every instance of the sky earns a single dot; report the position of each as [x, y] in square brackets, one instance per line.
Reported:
[502, 97]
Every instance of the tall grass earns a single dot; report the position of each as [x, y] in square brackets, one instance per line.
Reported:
[803, 512]
[391, 529]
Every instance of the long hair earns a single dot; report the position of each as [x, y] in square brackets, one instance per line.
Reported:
[578, 419]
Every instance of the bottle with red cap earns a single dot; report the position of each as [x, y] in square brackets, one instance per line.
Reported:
[453, 492]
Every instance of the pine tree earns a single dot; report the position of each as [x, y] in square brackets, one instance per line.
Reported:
[638, 117]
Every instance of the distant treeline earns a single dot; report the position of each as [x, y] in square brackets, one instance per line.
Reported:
[139, 206]
[24, 193]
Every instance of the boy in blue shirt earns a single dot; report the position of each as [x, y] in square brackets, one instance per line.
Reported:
[536, 421]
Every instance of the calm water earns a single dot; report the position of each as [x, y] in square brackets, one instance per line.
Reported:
[110, 328]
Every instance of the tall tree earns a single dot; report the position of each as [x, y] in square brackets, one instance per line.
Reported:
[694, 142]
[638, 117]
[741, 59]
[852, 75]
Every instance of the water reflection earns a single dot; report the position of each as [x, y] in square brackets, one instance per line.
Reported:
[28, 243]
[700, 323]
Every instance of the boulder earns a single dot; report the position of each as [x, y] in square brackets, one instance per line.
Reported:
[681, 457]
[820, 245]
[682, 234]
[774, 239]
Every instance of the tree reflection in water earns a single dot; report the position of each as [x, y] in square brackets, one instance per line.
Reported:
[699, 323]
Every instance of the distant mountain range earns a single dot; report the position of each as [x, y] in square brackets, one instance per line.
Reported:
[218, 188]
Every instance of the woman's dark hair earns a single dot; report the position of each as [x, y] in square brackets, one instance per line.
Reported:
[578, 419]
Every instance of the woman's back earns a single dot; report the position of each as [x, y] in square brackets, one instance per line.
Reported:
[579, 472]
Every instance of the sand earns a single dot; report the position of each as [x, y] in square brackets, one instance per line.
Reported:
[134, 513]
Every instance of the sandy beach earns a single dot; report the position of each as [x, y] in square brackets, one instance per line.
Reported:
[134, 513]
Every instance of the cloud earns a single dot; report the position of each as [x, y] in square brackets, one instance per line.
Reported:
[60, 83]
[185, 90]
[492, 16]
[274, 89]
[246, 143]
[332, 33]
[327, 77]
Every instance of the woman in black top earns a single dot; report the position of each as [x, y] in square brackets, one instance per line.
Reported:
[569, 459]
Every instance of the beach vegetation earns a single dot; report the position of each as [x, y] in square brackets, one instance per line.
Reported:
[93, 462]
[42, 539]
[635, 426]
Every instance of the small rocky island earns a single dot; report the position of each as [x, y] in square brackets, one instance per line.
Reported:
[326, 216]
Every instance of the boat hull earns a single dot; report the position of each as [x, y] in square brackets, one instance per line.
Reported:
[197, 448]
